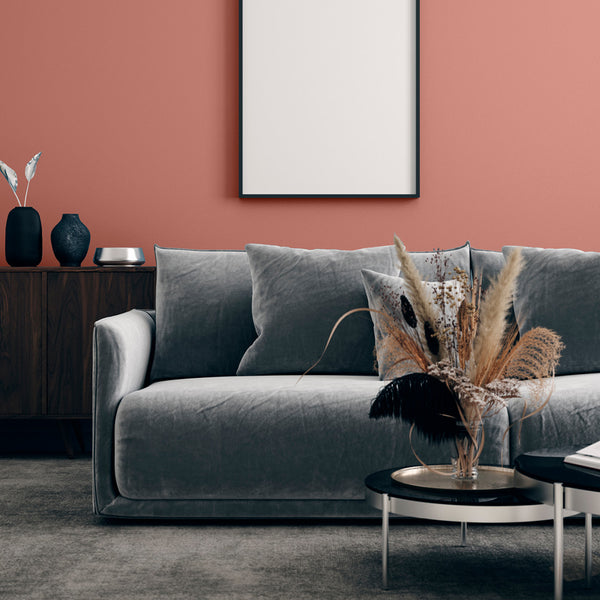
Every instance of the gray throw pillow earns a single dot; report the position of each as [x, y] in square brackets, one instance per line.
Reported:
[298, 295]
[203, 312]
[559, 289]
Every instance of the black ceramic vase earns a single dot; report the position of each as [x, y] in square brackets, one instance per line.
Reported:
[70, 240]
[23, 240]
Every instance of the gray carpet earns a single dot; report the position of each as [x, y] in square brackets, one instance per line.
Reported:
[52, 547]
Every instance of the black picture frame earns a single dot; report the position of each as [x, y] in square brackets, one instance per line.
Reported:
[284, 150]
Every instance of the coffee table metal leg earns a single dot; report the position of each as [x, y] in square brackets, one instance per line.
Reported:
[385, 527]
[463, 534]
[588, 550]
[558, 498]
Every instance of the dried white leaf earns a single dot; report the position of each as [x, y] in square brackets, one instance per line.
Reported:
[10, 175]
[32, 166]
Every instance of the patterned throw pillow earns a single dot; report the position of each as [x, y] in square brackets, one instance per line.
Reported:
[391, 309]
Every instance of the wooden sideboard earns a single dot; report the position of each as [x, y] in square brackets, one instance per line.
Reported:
[46, 324]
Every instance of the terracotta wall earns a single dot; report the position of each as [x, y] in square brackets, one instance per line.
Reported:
[134, 105]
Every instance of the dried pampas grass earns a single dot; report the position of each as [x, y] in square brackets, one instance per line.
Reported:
[460, 338]
[420, 302]
[481, 359]
[534, 356]
[488, 343]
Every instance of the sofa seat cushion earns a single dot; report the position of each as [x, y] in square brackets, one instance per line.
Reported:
[263, 437]
[571, 417]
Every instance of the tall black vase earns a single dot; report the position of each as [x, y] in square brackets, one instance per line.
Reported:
[70, 240]
[23, 240]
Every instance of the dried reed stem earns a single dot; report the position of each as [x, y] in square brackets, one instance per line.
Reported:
[467, 320]
[399, 344]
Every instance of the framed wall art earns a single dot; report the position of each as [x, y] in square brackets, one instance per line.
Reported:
[329, 98]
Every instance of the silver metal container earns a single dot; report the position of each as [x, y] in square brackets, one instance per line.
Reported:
[124, 257]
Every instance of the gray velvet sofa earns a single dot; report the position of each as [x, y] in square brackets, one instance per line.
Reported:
[199, 410]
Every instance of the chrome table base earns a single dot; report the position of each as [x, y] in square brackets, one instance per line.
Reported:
[566, 501]
[391, 501]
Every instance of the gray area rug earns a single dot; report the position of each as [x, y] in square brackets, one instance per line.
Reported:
[53, 547]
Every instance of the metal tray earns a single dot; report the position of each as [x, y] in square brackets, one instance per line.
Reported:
[490, 479]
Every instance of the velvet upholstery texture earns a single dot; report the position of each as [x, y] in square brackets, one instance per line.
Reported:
[298, 295]
[559, 289]
[203, 312]
[571, 417]
[486, 265]
[263, 437]
[122, 347]
[122, 507]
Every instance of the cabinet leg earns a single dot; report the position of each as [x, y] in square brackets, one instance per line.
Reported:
[64, 434]
[78, 434]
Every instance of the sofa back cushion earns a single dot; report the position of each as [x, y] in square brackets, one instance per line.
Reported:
[559, 289]
[298, 295]
[203, 312]
[486, 265]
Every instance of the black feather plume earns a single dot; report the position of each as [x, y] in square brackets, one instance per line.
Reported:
[421, 399]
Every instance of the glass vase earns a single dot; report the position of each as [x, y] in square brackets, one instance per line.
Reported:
[466, 451]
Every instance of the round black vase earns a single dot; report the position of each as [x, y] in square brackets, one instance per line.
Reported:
[70, 240]
[23, 240]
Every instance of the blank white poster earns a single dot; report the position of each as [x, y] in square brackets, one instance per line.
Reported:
[329, 98]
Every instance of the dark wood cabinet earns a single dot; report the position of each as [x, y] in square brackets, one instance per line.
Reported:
[46, 325]
[22, 384]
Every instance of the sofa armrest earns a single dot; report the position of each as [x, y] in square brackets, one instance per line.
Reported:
[122, 351]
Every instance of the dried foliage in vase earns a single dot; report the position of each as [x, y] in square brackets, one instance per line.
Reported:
[460, 338]
[11, 176]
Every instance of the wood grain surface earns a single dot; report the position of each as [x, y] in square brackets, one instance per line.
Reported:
[21, 336]
[46, 327]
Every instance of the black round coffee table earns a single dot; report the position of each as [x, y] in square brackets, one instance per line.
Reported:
[437, 499]
[543, 476]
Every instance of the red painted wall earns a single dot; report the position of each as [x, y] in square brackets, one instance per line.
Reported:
[134, 105]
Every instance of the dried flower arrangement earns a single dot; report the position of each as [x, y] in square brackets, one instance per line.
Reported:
[11, 176]
[469, 361]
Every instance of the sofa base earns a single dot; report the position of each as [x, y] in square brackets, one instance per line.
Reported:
[124, 508]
